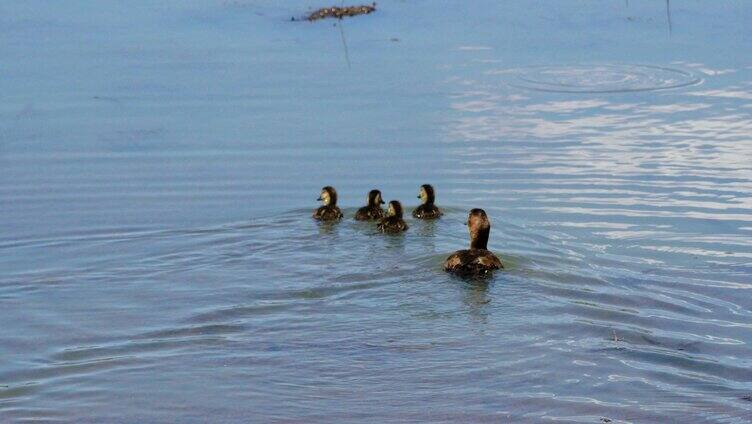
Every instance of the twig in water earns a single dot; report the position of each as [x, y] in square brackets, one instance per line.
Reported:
[668, 15]
[344, 43]
[342, 35]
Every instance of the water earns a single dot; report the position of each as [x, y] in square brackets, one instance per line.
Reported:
[159, 164]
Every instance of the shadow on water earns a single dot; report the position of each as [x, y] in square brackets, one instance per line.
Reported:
[425, 227]
[327, 228]
[477, 298]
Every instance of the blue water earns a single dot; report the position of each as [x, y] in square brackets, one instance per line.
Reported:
[159, 163]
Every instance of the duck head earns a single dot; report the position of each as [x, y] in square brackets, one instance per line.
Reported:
[479, 227]
[395, 209]
[374, 198]
[328, 196]
[426, 194]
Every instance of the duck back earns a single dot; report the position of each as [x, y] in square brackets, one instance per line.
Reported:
[426, 211]
[392, 224]
[327, 213]
[369, 213]
[472, 262]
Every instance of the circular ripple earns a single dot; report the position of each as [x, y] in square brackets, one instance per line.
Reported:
[602, 78]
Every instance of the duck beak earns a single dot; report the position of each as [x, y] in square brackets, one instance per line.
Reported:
[382, 202]
[319, 199]
[419, 196]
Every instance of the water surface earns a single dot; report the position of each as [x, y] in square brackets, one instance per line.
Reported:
[159, 164]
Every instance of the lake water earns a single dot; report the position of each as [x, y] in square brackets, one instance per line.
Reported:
[159, 162]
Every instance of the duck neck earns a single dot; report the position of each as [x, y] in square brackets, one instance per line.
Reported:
[479, 239]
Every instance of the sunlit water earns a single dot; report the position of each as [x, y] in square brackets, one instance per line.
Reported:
[159, 163]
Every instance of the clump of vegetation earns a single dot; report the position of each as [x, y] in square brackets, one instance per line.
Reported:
[340, 12]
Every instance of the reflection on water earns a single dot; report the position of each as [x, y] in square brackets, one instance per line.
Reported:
[158, 166]
[651, 193]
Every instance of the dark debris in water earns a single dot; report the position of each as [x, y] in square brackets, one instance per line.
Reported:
[748, 398]
[340, 12]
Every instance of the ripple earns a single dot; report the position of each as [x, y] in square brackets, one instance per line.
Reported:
[610, 78]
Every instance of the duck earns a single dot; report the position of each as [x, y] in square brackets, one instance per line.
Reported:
[478, 260]
[329, 211]
[427, 210]
[372, 210]
[392, 222]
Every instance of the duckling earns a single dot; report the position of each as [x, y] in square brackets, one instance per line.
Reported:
[372, 210]
[393, 222]
[427, 210]
[477, 260]
[330, 211]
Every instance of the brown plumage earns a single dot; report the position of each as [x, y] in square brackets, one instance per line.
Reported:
[329, 211]
[393, 222]
[372, 210]
[427, 210]
[477, 260]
